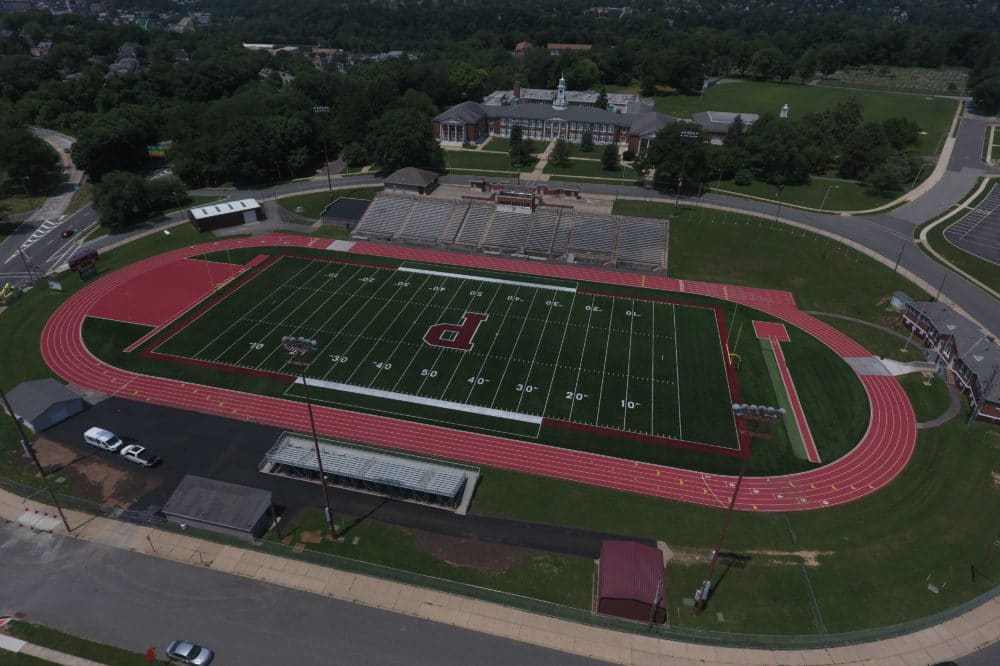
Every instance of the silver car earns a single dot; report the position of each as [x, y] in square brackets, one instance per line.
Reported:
[189, 653]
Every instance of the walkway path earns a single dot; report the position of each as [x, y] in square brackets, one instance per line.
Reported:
[954, 407]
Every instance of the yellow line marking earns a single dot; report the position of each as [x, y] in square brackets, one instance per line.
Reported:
[833, 487]
[754, 506]
[643, 280]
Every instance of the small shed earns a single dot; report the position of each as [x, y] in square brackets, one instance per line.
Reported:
[42, 403]
[630, 582]
[344, 213]
[410, 179]
[218, 506]
[225, 214]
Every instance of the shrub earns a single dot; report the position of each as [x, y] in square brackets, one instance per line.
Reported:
[743, 177]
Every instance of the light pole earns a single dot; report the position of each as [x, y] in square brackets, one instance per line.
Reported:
[826, 194]
[701, 596]
[719, 185]
[917, 177]
[26, 445]
[326, 157]
[777, 195]
[298, 348]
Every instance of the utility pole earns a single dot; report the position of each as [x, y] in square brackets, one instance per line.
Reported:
[26, 445]
[298, 349]
[326, 157]
[898, 257]
[701, 596]
[686, 135]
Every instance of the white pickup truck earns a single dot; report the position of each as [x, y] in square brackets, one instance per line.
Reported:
[103, 439]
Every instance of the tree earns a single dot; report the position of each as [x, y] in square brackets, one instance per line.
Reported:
[560, 154]
[901, 132]
[354, 154]
[806, 67]
[830, 58]
[679, 153]
[986, 94]
[403, 137]
[121, 198]
[114, 141]
[862, 151]
[602, 99]
[766, 62]
[609, 160]
[587, 142]
[28, 165]
[885, 179]
[776, 150]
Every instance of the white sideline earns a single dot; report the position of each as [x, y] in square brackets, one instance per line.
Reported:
[420, 400]
[487, 279]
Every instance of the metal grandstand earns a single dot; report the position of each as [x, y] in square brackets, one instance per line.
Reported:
[547, 232]
[358, 468]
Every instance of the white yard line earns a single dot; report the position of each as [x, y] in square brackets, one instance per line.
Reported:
[420, 400]
[520, 332]
[342, 332]
[555, 367]
[299, 327]
[440, 352]
[533, 285]
[677, 370]
[604, 366]
[652, 375]
[725, 378]
[458, 365]
[248, 313]
[628, 366]
[583, 352]
[534, 357]
[371, 347]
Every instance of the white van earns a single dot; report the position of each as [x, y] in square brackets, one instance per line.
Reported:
[102, 439]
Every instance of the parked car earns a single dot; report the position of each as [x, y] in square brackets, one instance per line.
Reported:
[103, 439]
[68, 232]
[139, 455]
[189, 653]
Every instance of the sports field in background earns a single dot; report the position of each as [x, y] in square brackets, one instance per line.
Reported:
[500, 354]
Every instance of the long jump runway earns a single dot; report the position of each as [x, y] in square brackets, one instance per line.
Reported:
[876, 460]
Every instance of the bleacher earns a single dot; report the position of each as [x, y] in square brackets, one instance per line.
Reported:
[428, 220]
[543, 229]
[553, 233]
[508, 231]
[475, 224]
[642, 242]
[594, 236]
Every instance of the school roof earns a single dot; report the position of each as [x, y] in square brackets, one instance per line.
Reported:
[224, 208]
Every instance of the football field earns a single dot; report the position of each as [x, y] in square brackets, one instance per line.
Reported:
[498, 352]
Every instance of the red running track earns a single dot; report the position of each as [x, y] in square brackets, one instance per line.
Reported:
[877, 459]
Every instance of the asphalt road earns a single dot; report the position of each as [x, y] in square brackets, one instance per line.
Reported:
[119, 597]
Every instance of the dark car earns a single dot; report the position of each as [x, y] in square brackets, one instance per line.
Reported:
[68, 232]
[189, 653]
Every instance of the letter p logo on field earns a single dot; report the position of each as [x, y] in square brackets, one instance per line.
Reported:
[456, 336]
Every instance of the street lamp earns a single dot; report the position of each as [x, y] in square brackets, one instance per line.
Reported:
[297, 349]
[826, 194]
[326, 157]
[30, 452]
[777, 196]
[917, 177]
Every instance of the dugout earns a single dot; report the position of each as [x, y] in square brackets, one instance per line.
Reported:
[225, 214]
[630, 582]
[344, 213]
[365, 470]
[221, 507]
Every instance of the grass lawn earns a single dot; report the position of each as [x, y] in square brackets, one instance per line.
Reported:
[314, 203]
[930, 398]
[842, 196]
[932, 114]
[582, 168]
[81, 198]
[17, 204]
[79, 647]
[879, 342]
[824, 275]
[195, 202]
[353, 170]
[469, 159]
[560, 579]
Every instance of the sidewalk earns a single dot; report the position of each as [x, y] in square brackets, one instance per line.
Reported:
[17, 646]
[949, 640]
